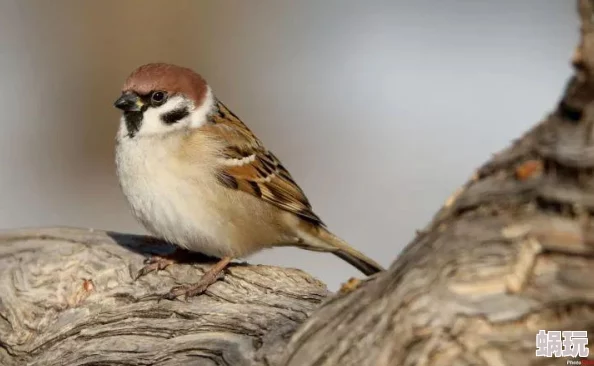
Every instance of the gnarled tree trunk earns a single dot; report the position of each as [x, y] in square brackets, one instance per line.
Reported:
[509, 254]
[512, 252]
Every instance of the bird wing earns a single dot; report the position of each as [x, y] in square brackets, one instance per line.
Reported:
[246, 165]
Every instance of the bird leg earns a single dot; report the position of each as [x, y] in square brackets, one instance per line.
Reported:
[208, 278]
[160, 262]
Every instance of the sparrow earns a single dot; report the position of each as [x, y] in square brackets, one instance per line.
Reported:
[195, 176]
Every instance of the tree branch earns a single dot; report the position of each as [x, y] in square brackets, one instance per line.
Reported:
[68, 298]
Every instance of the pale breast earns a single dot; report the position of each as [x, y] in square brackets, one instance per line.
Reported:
[162, 200]
[185, 205]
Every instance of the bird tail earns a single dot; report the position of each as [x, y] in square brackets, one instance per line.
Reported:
[322, 240]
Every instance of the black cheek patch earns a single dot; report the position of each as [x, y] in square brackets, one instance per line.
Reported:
[175, 115]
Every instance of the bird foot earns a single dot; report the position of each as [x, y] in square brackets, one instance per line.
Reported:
[208, 278]
[193, 289]
[178, 256]
[154, 263]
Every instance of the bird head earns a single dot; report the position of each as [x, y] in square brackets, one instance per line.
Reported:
[159, 98]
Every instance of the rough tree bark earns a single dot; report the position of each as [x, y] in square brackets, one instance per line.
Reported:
[512, 252]
[67, 297]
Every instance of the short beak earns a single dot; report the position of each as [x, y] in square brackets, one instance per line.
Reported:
[129, 102]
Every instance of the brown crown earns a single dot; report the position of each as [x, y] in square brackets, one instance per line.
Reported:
[169, 78]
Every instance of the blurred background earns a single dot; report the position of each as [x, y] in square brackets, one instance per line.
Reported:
[380, 109]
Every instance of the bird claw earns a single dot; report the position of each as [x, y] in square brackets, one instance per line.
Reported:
[154, 263]
[193, 289]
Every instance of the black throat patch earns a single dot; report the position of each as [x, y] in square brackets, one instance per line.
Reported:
[133, 122]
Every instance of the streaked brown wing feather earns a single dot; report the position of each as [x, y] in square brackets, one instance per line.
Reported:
[253, 169]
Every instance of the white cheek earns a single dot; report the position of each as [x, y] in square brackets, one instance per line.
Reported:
[152, 123]
[199, 116]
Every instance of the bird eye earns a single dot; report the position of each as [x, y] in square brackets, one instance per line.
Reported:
[158, 98]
